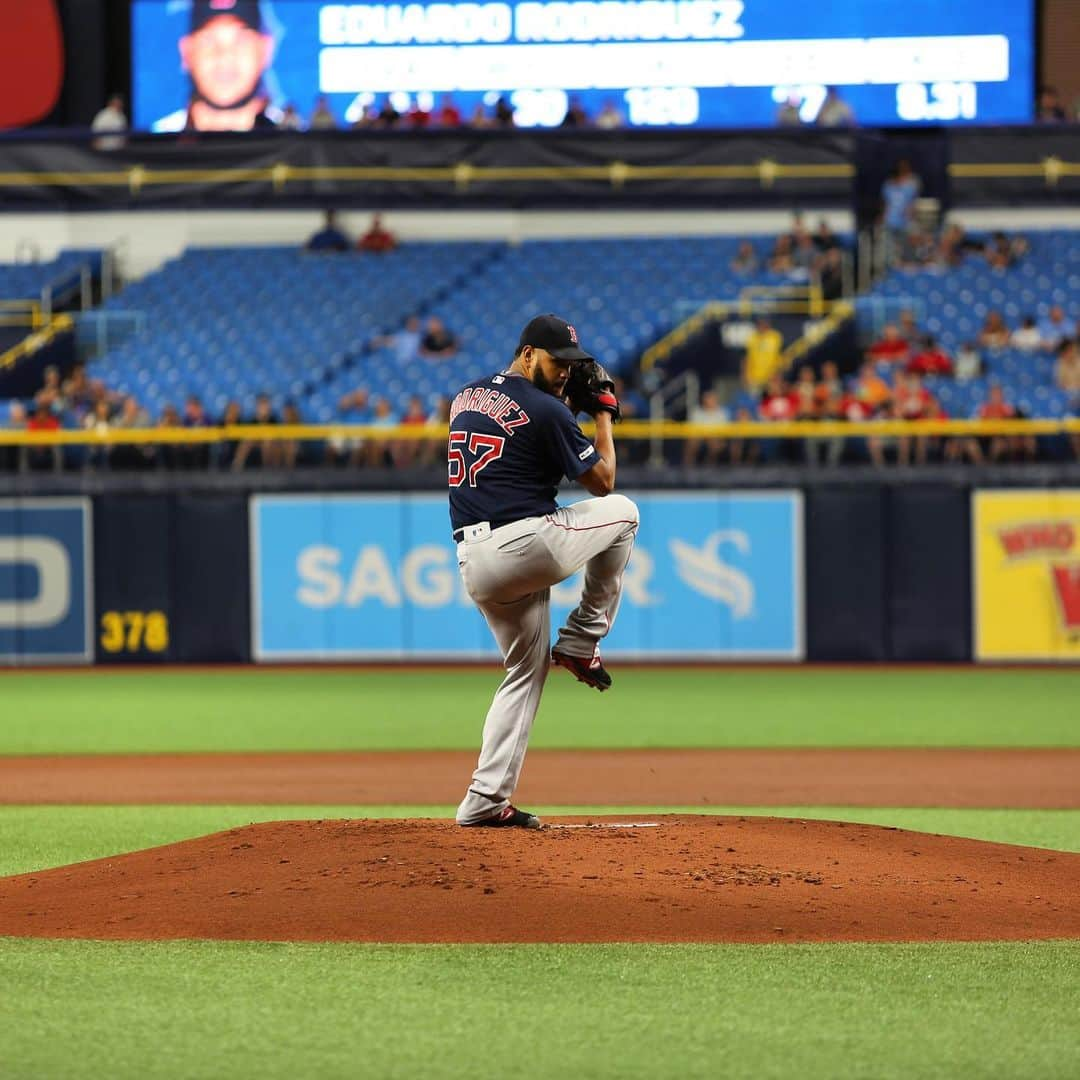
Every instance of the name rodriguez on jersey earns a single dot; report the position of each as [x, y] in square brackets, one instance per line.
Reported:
[500, 407]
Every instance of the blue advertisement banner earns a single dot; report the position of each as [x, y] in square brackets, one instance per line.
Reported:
[713, 576]
[642, 63]
[45, 581]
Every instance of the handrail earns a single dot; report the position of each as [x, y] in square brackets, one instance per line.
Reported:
[616, 174]
[461, 174]
[26, 313]
[839, 313]
[78, 278]
[814, 305]
[663, 348]
[630, 429]
[36, 340]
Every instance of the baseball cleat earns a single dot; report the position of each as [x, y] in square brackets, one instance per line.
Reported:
[589, 671]
[508, 817]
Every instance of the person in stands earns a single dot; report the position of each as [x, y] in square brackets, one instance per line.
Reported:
[707, 411]
[378, 239]
[890, 348]
[329, 238]
[994, 333]
[448, 114]
[764, 355]
[437, 343]
[110, 119]
[930, 359]
[322, 116]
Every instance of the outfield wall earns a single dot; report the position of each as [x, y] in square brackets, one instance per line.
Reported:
[840, 572]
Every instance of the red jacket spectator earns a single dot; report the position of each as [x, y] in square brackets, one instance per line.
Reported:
[853, 408]
[449, 115]
[931, 360]
[377, 239]
[778, 403]
[43, 419]
[890, 347]
[417, 117]
[911, 400]
[996, 407]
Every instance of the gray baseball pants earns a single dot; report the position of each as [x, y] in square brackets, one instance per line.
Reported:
[509, 572]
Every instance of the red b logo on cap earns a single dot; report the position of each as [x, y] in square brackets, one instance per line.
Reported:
[573, 333]
[31, 62]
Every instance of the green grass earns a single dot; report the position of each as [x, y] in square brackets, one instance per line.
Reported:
[307, 710]
[192, 1010]
[35, 837]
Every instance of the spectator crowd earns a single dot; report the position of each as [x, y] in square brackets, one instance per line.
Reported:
[890, 384]
[79, 403]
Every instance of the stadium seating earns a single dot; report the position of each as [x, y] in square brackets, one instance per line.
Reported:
[229, 323]
[25, 281]
[952, 305]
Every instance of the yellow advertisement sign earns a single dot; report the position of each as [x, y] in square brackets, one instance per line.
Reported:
[1026, 569]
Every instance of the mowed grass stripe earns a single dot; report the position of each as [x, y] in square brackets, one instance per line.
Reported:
[37, 837]
[158, 1011]
[206, 710]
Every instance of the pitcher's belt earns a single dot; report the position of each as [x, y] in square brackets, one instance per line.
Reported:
[478, 531]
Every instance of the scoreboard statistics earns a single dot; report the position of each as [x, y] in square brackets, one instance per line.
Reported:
[660, 63]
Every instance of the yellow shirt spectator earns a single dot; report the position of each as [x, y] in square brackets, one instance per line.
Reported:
[764, 355]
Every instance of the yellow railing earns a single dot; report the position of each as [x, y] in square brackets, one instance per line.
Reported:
[1051, 169]
[21, 313]
[631, 429]
[617, 174]
[785, 299]
[662, 349]
[37, 340]
[839, 312]
[806, 300]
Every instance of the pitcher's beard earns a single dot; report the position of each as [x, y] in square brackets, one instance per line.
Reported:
[541, 382]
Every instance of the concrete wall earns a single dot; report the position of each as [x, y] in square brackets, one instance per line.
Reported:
[144, 240]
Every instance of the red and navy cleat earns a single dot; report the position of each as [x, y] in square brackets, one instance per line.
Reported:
[509, 817]
[589, 671]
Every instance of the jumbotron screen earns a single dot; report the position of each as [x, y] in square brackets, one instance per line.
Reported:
[686, 63]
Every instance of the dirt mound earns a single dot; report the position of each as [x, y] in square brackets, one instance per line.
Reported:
[668, 878]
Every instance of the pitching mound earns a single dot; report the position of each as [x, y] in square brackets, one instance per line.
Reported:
[668, 878]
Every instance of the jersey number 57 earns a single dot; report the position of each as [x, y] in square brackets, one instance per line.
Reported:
[483, 449]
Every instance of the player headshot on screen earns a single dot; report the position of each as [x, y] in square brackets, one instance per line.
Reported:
[226, 52]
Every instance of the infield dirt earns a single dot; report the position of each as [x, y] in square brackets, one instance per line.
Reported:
[1015, 778]
[667, 879]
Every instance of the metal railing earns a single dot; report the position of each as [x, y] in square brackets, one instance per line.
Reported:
[630, 429]
[98, 332]
[680, 394]
[38, 339]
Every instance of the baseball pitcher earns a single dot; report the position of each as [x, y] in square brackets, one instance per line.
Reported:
[513, 437]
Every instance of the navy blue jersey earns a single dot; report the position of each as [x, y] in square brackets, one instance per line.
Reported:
[510, 445]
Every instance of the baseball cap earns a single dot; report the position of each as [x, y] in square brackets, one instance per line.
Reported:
[554, 335]
[248, 12]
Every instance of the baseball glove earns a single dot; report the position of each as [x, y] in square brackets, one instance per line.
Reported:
[590, 389]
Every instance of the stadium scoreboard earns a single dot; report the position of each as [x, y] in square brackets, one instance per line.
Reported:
[686, 63]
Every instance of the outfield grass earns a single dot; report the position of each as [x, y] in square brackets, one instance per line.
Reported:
[152, 711]
[36, 837]
[88, 1009]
